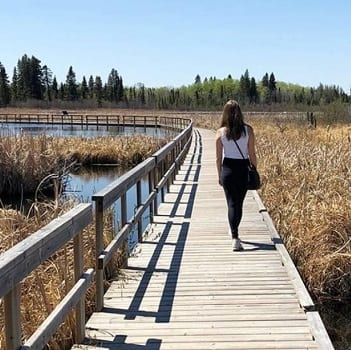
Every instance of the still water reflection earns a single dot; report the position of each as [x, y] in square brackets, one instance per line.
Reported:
[80, 131]
[83, 184]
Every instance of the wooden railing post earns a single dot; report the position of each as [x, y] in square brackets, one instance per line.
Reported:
[155, 178]
[162, 171]
[140, 237]
[151, 188]
[99, 229]
[168, 163]
[78, 271]
[123, 222]
[13, 332]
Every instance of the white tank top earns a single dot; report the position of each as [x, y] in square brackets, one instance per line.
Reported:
[230, 150]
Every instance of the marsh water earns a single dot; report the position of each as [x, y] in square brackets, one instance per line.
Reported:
[79, 130]
[83, 183]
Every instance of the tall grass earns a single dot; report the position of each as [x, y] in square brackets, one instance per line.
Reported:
[26, 160]
[43, 289]
[307, 189]
[306, 175]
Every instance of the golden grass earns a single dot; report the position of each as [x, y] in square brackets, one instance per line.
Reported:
[307, 189]
[306, 176]
[126, 150]
[27, 160]
[42, 290]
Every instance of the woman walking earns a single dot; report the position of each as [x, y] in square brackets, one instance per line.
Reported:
[235, 149]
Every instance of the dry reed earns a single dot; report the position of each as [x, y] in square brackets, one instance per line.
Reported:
[43, 289]
[26, 160]
[306, 175]
[307, 189]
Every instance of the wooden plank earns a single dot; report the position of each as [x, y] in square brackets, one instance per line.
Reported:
[318, 331]
[304, 297]
[185, 288]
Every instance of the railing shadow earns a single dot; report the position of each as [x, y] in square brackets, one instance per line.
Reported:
[119, 343]
[163, 313]
[251, 246]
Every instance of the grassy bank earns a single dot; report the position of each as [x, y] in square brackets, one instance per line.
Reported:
[48, 284]
[307, 189]
[306, 175]
[27, 160]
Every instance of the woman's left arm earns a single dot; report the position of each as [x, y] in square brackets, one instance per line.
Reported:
[219, 155]
[252, 147]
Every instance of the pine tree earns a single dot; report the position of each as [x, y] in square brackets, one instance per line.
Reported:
[253, 91]
[98, 90]
[91, 87]
[84, 90]
[61, 92]
[120, 90]
[272, 87]
[197, 79]
[14, 86]
[4, 87]
[265, 80]
[113, 85]
[71, 90]
[37, 86]
[47, 81]
[245, 87]
[54, 88]
[23, 78]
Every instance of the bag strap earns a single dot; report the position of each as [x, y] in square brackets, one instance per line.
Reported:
[250, 164]
[239, 149]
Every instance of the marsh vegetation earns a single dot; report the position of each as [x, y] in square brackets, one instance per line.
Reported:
[306, 175]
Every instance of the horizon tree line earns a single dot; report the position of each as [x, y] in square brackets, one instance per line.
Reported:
[33, 82]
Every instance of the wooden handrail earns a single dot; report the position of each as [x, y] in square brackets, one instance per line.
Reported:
[105, 198]
[19, 261]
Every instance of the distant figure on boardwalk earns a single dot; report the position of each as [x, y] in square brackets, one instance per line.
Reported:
[235, 148]
[65, 113]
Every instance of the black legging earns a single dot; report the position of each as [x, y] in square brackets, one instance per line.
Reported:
[234, 180]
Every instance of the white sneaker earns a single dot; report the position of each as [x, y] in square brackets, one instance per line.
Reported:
[237, 245]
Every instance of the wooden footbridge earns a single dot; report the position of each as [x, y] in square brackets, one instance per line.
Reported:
[184, 287]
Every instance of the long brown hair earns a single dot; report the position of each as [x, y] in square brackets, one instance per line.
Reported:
[233, 120]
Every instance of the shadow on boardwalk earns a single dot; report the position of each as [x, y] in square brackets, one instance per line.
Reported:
[163, 314]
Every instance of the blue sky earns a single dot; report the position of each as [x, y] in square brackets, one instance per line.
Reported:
[167, 43]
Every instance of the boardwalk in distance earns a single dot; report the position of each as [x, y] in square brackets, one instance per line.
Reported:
[185, 288]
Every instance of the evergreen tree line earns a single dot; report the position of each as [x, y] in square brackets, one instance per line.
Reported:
[32, 81]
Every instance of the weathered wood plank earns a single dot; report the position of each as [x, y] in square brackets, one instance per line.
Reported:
[185, 288]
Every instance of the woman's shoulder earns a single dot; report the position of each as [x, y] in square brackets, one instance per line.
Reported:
[249, 127]
[221, 130]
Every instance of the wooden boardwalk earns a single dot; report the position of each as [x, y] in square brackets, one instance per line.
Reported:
[185, 288]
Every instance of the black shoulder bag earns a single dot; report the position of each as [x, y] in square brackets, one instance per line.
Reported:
[254, 181]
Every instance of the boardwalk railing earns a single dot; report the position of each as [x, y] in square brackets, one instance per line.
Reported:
[160, 169]
[19, 262]
[85, 120]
